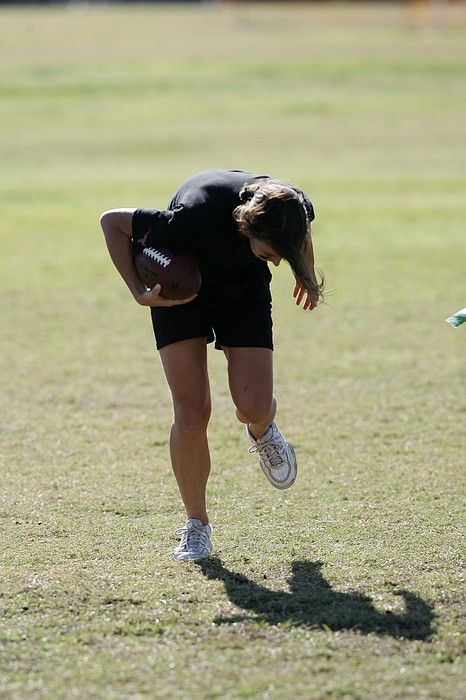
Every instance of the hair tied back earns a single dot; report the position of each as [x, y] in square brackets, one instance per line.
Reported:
[247, 193]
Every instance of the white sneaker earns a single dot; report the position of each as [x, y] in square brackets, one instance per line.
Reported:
[195, 541]
[277, 457]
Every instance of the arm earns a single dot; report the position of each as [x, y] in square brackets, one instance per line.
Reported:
[117, 227]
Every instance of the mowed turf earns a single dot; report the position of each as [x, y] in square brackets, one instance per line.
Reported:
[348, 585]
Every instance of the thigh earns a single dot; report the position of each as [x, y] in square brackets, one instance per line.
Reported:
[184, 322]
[185, 367]
[250, 374]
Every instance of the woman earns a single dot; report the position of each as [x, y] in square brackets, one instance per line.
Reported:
[235, 223]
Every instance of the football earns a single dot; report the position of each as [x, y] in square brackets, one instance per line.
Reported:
[178, 274]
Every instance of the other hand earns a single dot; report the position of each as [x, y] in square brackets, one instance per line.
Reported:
[300, 293]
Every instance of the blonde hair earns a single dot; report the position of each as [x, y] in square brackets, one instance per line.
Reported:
[280, 215]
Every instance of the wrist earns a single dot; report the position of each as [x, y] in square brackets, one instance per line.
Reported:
[137, 290]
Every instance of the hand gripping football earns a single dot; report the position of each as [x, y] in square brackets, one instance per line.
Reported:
[178, 274]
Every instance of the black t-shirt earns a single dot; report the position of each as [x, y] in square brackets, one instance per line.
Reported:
[199, 220]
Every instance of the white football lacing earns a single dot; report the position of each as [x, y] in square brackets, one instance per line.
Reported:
[156, 255]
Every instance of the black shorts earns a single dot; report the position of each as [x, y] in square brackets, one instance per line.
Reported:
[236, 313]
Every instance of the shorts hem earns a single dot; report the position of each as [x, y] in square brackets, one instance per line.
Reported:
[219, 345]
[163, 343]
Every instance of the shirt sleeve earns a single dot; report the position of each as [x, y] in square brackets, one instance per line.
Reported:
[170, 228]
[150, 228]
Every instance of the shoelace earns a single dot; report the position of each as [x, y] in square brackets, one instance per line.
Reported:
[272, 452]
[193, 537]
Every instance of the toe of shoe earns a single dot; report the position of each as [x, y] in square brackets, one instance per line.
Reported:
[284, 483]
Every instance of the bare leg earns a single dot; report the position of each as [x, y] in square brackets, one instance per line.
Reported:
[185, 366]
[250, 374]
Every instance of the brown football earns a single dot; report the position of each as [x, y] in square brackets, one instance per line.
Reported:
[178, 274]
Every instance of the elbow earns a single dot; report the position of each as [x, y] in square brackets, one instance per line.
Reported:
[105, 220]
[109, 222]
[117, 221]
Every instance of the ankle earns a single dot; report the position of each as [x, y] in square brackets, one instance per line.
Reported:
[202, 516]
[257, 430]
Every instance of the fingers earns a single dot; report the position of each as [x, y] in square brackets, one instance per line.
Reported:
[299, 293]
[152, 297]
[177, 302]
[310, 304]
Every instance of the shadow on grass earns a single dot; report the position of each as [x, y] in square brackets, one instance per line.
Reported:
[312, 602]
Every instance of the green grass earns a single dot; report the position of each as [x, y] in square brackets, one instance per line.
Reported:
[350, 584]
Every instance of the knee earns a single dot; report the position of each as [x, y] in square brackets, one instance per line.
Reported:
[191, 416]
[255, 409]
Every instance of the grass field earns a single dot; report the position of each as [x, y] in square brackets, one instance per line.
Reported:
[350, 584]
